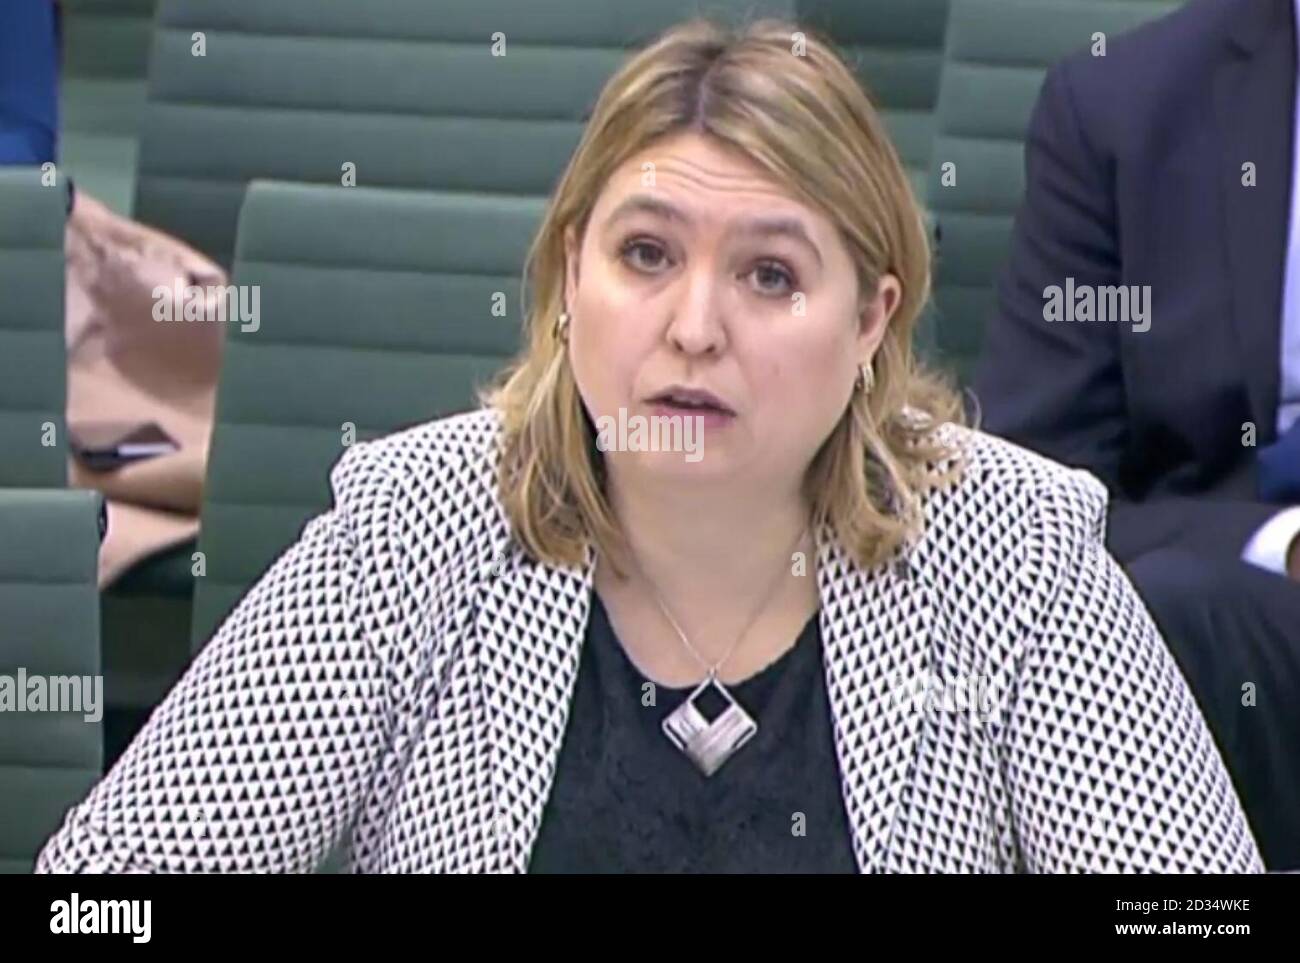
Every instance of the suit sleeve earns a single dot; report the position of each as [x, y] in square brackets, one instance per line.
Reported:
[1058, 387]
[1110, 766]
[260, 756]
[1218, 527]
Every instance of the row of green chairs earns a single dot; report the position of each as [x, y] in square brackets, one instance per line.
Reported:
[895, 45]
[291, 92]
[407, 92]
[49, 535]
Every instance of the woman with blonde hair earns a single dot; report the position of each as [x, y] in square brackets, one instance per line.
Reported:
[714, 580]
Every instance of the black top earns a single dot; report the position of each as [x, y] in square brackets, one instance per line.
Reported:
[626, 800]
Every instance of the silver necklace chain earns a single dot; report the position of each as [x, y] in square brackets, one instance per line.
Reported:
[763, 601]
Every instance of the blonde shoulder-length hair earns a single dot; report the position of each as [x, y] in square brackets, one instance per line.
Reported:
[781, 95]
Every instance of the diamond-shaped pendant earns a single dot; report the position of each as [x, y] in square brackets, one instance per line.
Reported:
[709, 744]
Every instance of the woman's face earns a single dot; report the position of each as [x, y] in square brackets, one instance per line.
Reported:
[698, 271]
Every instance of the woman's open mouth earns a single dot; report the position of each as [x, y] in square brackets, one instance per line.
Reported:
[709, 417]
[678, 401]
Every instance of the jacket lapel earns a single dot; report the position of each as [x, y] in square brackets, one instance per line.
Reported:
[875, 637]
[530, 625]
[1254, 94]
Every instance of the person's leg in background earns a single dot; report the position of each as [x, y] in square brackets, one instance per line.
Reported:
[1234, 630]
[29, 82]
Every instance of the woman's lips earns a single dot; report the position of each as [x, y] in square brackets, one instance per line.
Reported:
[709, 417]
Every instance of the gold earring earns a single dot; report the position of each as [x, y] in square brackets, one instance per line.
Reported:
[865, 380]
[562, 326]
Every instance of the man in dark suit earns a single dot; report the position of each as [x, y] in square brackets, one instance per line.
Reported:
[1149, 331]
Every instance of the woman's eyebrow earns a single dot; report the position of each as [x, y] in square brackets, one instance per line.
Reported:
[648, 204]
[779, 226]
[762, 226]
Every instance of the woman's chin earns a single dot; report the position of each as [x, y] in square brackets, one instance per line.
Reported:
[697, 465]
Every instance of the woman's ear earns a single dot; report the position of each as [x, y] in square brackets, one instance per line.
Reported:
[876, 312]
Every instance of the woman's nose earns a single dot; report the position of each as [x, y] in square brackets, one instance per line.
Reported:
[697, 325]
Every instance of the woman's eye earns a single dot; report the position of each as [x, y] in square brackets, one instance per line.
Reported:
[772, 278]
[633, 249]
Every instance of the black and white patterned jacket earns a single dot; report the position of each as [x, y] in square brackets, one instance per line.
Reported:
[401, 678]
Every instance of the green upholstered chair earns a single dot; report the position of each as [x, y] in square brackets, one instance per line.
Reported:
[407, 91]
[49, 626]
[102, 93]
[896, 48]
[997, 54]
[376, 311]
[33, 360]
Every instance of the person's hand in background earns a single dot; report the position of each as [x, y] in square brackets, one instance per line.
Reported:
[1278, 479]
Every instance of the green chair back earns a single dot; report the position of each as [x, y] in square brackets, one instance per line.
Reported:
[896, 48]
[407, 93]
[33, 359]
[378, 308]
[49, 641]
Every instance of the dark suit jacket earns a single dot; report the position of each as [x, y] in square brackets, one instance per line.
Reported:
[1134, 165]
